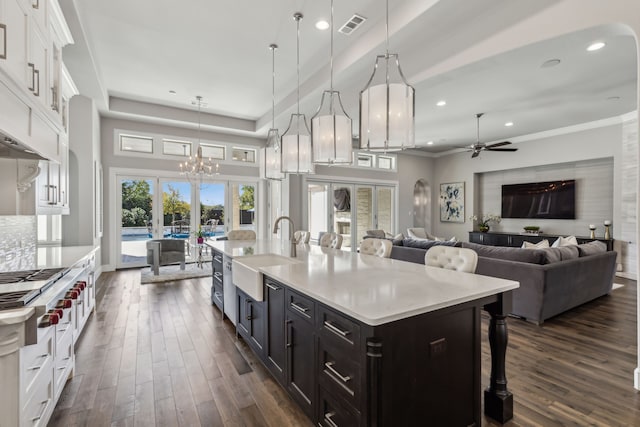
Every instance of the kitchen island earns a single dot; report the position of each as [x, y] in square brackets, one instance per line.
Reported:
[361, 340]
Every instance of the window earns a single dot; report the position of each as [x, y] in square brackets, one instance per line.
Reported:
[243, 155]
[138, 144]
[212, 151]
[174, 147]
[386, 162]
[365, 160]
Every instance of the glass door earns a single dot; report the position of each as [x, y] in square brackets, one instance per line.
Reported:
[243, 207]
[136, 225]
[177, 220]
[317, 209]
[385, 209]
[364, 211]
[341, 213]
[211, 214]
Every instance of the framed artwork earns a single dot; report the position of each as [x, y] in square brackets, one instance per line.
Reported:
[452, 202]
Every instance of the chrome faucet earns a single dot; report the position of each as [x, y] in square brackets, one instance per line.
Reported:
[292, 250]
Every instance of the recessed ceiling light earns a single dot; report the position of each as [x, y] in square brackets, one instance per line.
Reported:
[550, 63]
[172, 92]
[322, 25]
[596, 46]
[441, 103]
[508, 124]
[429, 142]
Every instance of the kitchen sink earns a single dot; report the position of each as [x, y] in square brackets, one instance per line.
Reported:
[246, 274]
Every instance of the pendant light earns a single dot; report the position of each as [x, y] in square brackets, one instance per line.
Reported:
[296, 140]
[272, 158]
[331, 127]
[197, 167]
[387, 105]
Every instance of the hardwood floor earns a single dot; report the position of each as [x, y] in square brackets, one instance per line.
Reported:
[159, 354]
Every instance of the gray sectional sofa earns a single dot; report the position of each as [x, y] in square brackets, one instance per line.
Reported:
[552, 280]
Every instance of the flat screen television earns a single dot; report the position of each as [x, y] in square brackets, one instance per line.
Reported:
[541, 200]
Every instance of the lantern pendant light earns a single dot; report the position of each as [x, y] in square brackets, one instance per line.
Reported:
[296, 140]
[331, 126]
[387, 105]
[272, 157]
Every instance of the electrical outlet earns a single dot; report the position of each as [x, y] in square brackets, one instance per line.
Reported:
[438, 347]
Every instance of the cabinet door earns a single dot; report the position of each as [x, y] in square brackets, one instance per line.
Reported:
[45, 191]
[244, 318]
[63, 178]
[14, 25]
[275, 343]
[301, 378]
[257, 326]
[37, 77]
[39, 13]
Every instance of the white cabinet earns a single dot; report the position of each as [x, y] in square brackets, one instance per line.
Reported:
[38, 66]
[53, 185]
[14, 25]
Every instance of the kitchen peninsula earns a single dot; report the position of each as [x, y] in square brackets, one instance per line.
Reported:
[367, 341]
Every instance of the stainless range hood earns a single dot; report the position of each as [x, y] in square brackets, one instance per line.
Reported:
[14, 149]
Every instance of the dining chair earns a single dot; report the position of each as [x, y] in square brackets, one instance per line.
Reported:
[452, 258]
[378, 247]
[331, 240]
[241, 235]
[302, 236]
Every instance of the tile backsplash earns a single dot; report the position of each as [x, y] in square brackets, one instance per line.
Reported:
[17, 242]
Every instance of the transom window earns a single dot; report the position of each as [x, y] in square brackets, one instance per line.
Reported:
[173, 147]
[138, 144]
[243, 155]
[210, 151]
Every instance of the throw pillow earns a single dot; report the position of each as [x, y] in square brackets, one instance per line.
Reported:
[565, 241]
[562, 253]
[417, 232]
[540, 245]
[592, 248]
[379, 234]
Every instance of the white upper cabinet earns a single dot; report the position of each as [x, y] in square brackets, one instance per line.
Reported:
[14, 39]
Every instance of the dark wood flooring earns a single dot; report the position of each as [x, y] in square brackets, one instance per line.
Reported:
[160, 355]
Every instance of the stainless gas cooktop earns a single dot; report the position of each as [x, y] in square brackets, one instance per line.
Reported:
[20, 298]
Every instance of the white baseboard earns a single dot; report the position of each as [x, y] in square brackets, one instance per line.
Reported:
[626, 275]
[107, 267]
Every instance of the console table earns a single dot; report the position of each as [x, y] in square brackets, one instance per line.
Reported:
[516, 239]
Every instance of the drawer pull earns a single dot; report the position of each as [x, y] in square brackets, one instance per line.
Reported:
[218, 258]
[63, 330]
[335, 329]
[33, 77]
[328, 418]
[62, 368]
[329, 366]
[3, 27]
[273, 287]
[44, 408]
[218, 296]
[300, 308]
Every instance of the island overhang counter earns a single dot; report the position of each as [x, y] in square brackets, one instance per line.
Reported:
[386, 342]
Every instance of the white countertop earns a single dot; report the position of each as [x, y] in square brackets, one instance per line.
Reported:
[371, 289]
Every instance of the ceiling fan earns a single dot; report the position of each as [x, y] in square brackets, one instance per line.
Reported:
[480, 146]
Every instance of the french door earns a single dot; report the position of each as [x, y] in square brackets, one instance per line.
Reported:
[171, 208]
[350, 210]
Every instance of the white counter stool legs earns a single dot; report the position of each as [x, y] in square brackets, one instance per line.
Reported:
[452, 258]
[331, 240]
[378, 247]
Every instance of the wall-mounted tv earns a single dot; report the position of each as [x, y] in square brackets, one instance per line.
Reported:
[542, 200]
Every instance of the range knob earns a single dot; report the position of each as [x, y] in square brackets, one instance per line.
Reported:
[81, 285]
[72, 294]
[49, 319]
[64, 303]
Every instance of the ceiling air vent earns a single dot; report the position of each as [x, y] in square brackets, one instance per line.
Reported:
[352, 24]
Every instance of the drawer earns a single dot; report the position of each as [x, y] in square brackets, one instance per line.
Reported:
[217, 261]
[37, 358]
[63, 362]
[340, 373]
[334, 413]
[301, 305]
[217, 296]
[65, 323]
[217, 277]
[39, 404]
[337, 329]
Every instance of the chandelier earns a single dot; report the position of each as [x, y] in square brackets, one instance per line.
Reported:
[331, 126]
[387, 105]
[195, 168]
[272, 157]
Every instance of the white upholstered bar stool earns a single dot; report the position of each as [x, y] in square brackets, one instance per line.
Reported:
[302, 236]
[452, 258]
[378, 247]
[241, 235]
[331, 240]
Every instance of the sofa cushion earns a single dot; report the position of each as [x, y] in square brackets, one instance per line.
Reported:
[561, 253]
[378, 234]
[540, 245]
[418, 232]
[533, 256]
[591, 248]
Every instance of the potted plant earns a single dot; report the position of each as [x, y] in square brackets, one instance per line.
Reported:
[199, 235]
[487, 219]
